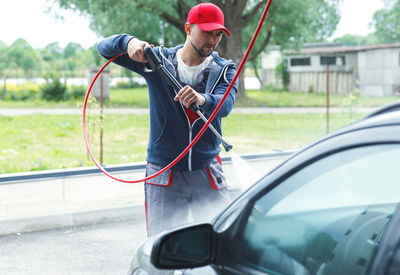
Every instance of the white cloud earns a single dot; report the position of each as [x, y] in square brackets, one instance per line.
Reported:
[28, 19]
[356, 16]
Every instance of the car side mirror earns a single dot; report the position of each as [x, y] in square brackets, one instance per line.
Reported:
[188, 247]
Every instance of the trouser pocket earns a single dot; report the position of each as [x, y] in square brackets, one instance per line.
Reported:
[165, 179]
[216, 174]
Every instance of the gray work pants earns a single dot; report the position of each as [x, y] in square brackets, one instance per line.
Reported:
[170, 196]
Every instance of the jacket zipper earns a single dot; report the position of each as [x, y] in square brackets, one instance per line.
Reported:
[223, 72]
[190, 150]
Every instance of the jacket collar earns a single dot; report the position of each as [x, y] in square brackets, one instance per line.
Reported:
[218, 67]
[171, 52]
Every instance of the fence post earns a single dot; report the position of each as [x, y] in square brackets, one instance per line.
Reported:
[100, 91]
[327, 98]
[4, 95]
[101, 118]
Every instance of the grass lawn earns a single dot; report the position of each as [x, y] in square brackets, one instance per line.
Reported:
[39, 142]
[259, 98]
[138, 98]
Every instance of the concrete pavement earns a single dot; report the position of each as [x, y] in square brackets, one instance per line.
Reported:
[38, 204]
[102, 248]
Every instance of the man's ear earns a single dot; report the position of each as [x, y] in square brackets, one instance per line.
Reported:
[188, 28]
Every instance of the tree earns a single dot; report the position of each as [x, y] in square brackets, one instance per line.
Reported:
[22, 55]
[53, 55]
[3, 57]
[72, 49]
[351, 40]
[54, 49]
[71, 52]
[372, 39]
[3, 66]
[96, 58]
[290, 22]
[387, 22]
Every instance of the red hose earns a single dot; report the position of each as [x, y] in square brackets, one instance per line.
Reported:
[253, 40]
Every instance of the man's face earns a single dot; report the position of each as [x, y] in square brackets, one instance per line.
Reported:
[204, 43]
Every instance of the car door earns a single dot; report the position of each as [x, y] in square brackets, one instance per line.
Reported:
[328, 217]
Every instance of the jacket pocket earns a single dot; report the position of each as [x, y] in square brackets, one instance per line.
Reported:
[216, 174]
[165, 179]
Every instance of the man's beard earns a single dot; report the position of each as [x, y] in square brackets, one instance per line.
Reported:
[200, 52]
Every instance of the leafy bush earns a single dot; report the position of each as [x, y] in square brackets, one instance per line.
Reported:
[310, 89]
[22, 92]
[53, 89]
[281, 71]
[76, 92]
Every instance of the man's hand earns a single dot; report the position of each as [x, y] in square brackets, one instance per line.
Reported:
[187, 95]
[135, 50]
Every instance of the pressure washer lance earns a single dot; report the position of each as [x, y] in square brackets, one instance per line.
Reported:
[155, 64]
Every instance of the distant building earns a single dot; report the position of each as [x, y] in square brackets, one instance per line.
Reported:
[374, 69]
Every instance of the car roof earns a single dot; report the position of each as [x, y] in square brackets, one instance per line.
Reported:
[388, 114]
[395, 106]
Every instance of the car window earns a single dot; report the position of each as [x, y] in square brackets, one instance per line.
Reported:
[328, 217]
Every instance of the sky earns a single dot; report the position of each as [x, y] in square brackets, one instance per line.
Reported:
[356, 16]
[28, 19]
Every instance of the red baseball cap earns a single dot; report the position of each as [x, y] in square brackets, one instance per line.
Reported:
[208, 17]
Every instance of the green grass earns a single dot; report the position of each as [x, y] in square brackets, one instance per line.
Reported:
[138, 98]
[265, 132]
[40, 104]
[39, 142]
[260, 98]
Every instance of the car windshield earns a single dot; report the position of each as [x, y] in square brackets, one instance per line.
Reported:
[328, 217]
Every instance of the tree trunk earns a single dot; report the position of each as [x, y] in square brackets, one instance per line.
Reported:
[231, 48]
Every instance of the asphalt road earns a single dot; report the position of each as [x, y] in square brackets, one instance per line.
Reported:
[104, 248]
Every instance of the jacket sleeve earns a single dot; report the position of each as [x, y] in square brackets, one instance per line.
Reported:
[212, 100]
[116, 44]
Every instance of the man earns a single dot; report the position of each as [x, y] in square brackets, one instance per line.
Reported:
[196, 183]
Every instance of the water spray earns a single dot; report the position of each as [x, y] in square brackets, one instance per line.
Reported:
[245, 173]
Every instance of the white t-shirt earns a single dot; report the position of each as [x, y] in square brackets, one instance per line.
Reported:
[188, 74]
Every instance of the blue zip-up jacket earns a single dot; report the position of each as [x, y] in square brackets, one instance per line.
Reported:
[170, 129]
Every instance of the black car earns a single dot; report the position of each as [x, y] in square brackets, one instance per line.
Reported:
[331, 208]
